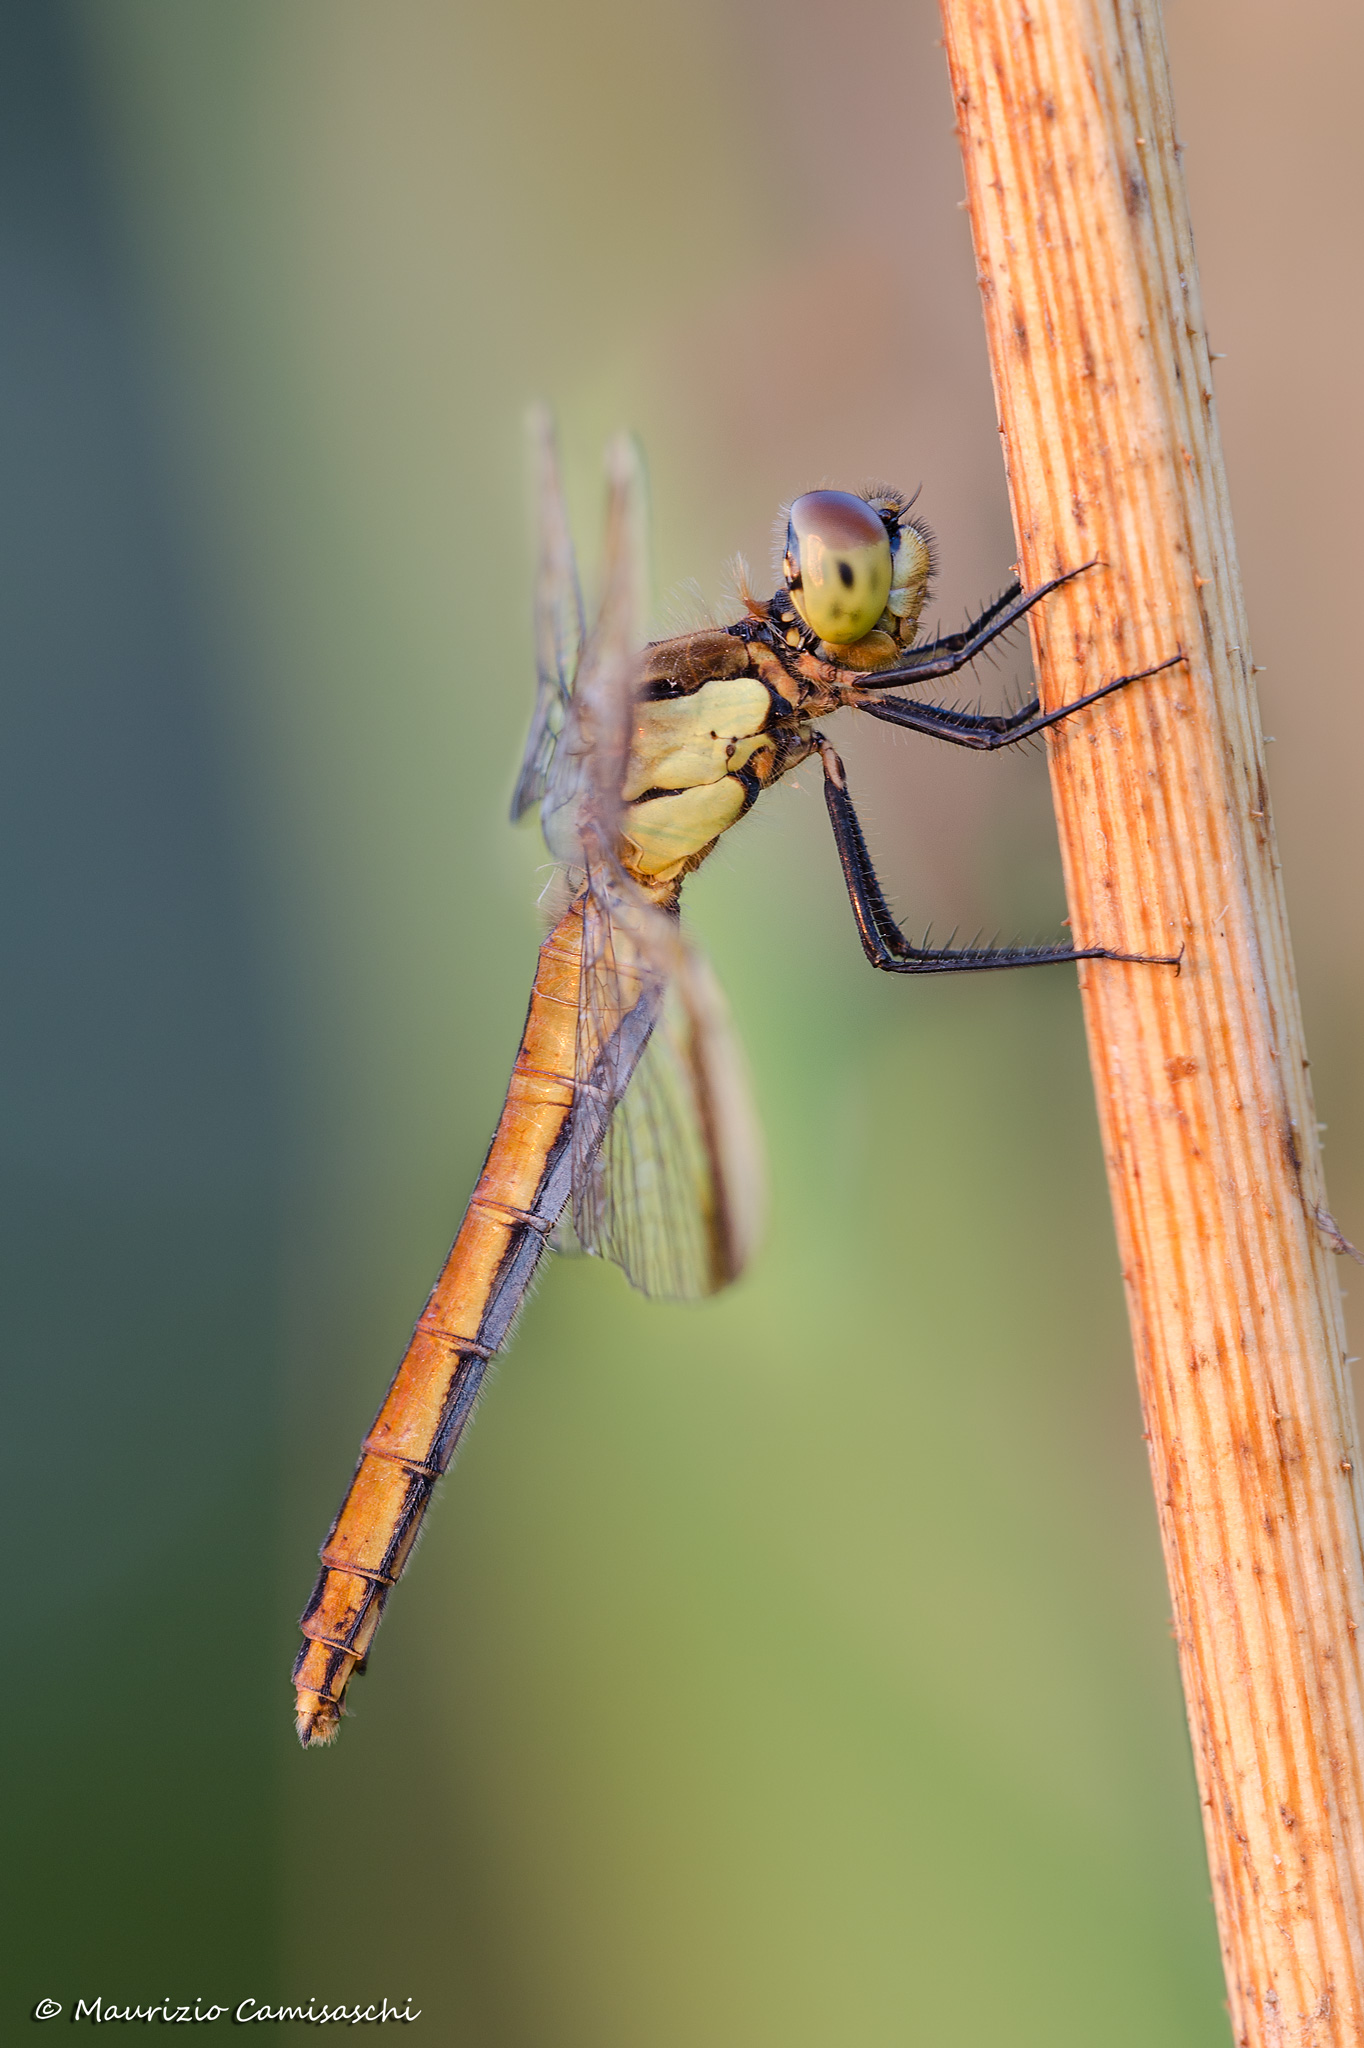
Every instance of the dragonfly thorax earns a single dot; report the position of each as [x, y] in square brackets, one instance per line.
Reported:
[697, 762]
[715, 722]
[720, 714]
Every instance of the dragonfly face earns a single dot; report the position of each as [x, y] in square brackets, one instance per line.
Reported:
[837, 565]
[627, 1100]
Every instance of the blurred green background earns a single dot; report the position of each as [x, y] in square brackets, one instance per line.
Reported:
[793, 1670]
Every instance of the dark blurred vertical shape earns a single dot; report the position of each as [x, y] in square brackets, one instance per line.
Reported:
[138, 1150]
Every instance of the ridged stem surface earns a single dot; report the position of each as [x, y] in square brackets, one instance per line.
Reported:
[1104, 387]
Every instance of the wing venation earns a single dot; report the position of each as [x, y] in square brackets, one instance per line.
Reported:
[666, 1175]
[558, 617]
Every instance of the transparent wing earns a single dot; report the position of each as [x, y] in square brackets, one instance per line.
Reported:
[673, 1193]
[666, 1174]
[627, 940]
[581, 805]
[558, 616]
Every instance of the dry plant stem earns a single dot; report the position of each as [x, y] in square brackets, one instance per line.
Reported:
[1104, 386]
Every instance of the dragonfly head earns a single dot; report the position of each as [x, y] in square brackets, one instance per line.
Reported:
[837, 565]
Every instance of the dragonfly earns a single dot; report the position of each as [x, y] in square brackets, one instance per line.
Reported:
[627, 1108]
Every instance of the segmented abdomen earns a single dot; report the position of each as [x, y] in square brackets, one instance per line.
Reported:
[517, 1201]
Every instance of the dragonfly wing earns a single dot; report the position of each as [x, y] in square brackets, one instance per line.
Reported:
[665, 1181]
[627, 941]
[673, 1191]
[558, 617]
[582, 800]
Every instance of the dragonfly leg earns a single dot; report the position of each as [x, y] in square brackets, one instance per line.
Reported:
[883, 942]
[953, 651]
[985, 731]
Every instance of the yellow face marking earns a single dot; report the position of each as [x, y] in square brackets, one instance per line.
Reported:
[909, 581]
[837, 565]
[877, 650]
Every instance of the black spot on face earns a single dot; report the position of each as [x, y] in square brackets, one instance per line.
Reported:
[845, 575]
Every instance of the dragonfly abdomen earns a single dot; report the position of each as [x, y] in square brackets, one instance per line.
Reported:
[518, 1199]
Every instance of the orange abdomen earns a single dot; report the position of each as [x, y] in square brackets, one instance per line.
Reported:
[520, 1193]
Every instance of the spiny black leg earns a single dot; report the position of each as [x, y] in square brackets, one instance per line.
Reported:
[972, 729]
[883, 942]
[1007, 601]
[944, 656]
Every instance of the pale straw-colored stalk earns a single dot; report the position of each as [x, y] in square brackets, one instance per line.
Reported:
[1109, 427]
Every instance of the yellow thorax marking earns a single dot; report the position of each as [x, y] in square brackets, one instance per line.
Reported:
[685, 742]
[666, 834]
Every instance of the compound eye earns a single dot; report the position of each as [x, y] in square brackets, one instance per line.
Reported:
[837, 565]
